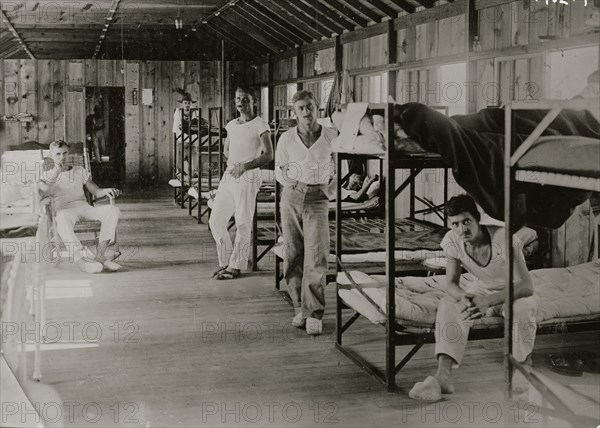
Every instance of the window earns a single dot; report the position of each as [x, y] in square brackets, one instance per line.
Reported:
[452, 90]
[264, 103]
[371, 88]
[569, 70]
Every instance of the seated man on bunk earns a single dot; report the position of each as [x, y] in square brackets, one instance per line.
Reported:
[65, 184]
[358, 188]
[481, 251]
[185, 127]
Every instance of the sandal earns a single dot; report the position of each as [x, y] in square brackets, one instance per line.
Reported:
[225, 274]
[565, 364]
[217, 272]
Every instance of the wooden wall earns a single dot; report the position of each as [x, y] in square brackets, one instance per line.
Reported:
[51, 90]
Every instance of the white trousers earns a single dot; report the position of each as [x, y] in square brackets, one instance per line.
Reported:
[451, 332]
[66, 218]
[235, 197]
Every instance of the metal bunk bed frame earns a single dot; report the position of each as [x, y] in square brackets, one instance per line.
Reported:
[180, 195]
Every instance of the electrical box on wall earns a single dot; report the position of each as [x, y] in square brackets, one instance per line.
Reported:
[147, 97]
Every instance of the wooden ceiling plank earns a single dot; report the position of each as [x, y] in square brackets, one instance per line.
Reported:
[407, 7]
[238, 43]
[347, 12]
[321, 11]
[294, 11]
[384, 8]
[267, 31]
[14, 32]
[371, 14]
[285, 19]
[250, 8]
[249, 33]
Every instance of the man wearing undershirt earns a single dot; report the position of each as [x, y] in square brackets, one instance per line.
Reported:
[481, 251]
[304, 166]
[247, 147]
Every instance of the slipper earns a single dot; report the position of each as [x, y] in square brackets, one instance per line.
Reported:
[228, 275]
[221, 269]
[565, 364]
[428, 390]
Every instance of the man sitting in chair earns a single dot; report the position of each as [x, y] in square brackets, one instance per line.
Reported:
[481, 251]
[65, 184]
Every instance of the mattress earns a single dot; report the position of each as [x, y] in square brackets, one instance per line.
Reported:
[563, 155]
[564, 293]
[370, 204]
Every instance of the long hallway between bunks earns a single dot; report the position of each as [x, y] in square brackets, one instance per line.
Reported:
[162, 344]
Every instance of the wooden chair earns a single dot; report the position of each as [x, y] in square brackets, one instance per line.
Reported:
[78, 156]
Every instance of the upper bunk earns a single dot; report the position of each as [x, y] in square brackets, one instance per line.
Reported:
[569, 161]
[366, 129]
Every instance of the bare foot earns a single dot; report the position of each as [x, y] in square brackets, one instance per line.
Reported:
[445, 384]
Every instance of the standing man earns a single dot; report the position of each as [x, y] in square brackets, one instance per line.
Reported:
[304, 166]
[481, 251]
[247, 147]
[65, 184]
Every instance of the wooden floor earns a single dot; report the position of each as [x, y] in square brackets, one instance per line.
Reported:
[162, 344]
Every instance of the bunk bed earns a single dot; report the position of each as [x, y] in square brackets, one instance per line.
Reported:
[412, 301]
[202, 190]
[568, 162]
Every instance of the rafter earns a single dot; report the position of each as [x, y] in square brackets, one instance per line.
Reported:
[286, 19]
[321, 16]
[347, 12]
[249, 8]
[406, 6]
[293, 10]
[6, 21]
[371, 14]
[251, 31]
[266, 30]
[426, 3]
[378, 4]
[108, 20]
[243, 36]
[228, 37]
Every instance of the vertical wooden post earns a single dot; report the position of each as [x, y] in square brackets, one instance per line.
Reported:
[472, 32]
[299, 67]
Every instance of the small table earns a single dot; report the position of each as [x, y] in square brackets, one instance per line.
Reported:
[435, 266]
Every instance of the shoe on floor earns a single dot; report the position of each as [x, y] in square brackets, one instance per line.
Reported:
[111, 266]
[314, 326]
[89, 267]
[299, 321]
[565, 364]
[428, 390]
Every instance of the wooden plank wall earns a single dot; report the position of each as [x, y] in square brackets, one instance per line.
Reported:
[42, 88]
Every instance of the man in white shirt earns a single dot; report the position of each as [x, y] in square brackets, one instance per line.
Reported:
[247, 147]
[185, 128]
[65, 184]
[481, 251]
[304, 166]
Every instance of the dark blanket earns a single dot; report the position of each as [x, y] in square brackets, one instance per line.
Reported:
[473, 146]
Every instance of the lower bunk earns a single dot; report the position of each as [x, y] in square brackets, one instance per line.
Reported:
[569, 300]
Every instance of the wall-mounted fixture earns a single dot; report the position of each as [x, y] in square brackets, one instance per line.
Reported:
[178, 23]
[317, 64]
[134, 96]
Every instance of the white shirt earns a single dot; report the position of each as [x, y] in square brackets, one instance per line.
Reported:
[244, 140]
[491, 277]
[67, 188]
[312, 165]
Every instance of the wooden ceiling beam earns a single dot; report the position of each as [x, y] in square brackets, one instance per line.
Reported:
[319, 12]
[299, 14]
[426, 3]
[406, 6]
[250, 8]
[228, 36]
[381, 6]
[286, 19]
[246, 32]
[14, 51]
[371, 14]
[347, 12]
[114, 6]
[14, 32]
[261, 28]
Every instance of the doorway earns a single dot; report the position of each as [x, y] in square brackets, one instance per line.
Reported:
[105, 134]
